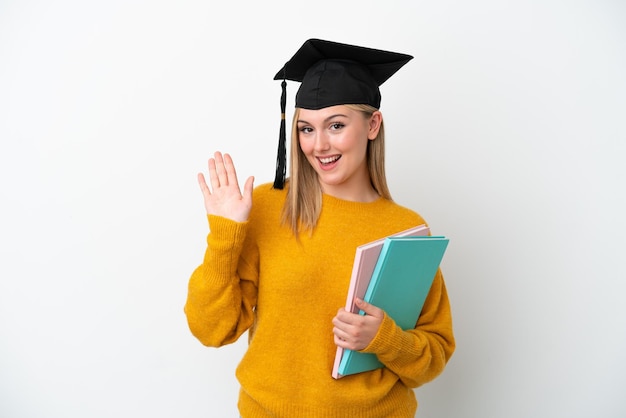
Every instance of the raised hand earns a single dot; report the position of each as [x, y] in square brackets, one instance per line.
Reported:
[224, 197]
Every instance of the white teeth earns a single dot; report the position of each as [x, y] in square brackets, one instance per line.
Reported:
[329, 160]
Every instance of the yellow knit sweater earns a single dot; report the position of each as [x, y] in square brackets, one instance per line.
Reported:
[257, 277]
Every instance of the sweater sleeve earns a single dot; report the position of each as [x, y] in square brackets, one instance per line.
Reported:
[220, 304]
[419, 355]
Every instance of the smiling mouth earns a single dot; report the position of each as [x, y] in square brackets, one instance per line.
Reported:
[328, 160]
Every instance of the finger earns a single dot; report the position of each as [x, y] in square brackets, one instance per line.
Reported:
[203, 186]
[346, 318]
[369, 309]
[213, 177]
[346, 343]
[342, 318]
[341, 334]
[247, 190]
[339, 342]
[229, 170]
[220, 169]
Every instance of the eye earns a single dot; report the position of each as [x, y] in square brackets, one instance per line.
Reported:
[336, 126]
[305, 129]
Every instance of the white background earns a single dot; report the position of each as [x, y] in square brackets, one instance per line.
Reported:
[507, 132]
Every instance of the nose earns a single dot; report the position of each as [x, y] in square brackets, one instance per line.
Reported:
[321, 142]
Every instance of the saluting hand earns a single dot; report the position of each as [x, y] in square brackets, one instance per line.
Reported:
[354, 331]
[224, 197]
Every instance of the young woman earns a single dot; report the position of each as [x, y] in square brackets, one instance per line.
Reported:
[279, 259]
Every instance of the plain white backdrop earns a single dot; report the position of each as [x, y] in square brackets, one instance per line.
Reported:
[506, 132]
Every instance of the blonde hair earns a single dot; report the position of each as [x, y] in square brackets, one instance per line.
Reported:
[304, 197]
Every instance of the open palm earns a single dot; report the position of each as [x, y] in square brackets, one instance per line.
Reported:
[224, 197]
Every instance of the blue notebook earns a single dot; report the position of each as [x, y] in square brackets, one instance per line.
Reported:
[399, 285]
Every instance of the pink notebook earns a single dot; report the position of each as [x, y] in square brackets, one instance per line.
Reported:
[364, 263]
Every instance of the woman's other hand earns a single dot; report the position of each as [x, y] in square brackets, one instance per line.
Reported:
[224, 197]
[355, 331]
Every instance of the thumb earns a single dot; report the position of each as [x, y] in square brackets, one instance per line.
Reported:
[369, 309]
[247, 188]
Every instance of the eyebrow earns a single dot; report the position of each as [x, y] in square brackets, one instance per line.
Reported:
[338, 115]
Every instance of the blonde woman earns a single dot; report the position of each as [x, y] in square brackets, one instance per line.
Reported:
[279, 256]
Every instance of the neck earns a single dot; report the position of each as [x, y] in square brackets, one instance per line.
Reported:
[364, 194]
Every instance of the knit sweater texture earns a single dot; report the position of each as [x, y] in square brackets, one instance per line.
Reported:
[256, 277]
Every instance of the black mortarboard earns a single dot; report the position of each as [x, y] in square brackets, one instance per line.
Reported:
[332, 74]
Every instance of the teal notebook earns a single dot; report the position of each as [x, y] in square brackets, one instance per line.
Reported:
[399, 285]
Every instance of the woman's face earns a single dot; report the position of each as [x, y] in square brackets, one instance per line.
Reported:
[334, 141]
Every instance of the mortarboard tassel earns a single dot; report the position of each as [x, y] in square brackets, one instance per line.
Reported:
[281, 158]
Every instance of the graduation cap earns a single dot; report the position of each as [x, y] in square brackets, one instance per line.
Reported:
[332, 74]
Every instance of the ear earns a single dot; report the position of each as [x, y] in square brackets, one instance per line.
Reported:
[374, 124]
